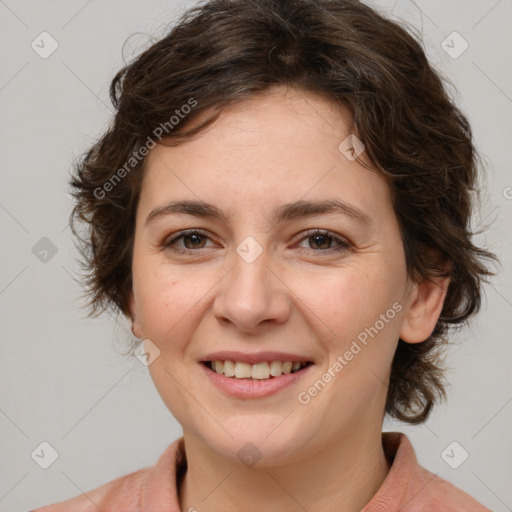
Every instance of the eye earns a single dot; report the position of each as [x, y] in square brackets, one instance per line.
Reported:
[323, 238]
[191, 238]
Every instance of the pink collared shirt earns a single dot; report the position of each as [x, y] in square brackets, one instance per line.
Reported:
[408, 486]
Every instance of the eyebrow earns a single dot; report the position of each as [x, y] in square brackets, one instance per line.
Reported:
[284, 212]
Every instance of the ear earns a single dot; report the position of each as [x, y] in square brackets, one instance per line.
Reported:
[425, 306]
[136, 328]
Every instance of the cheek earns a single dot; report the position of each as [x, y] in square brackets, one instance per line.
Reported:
[171, 302]
[162, 300]
[349, 299]
[361, 308]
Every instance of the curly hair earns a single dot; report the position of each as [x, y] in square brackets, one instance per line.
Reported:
[223, 51]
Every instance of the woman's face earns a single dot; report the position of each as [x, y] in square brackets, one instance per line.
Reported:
[257, 281]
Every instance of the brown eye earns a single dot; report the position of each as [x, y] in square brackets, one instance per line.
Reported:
[321, 241]
[192, 240]
[195, 241]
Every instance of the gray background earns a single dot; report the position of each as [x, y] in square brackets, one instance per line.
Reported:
[62, 380]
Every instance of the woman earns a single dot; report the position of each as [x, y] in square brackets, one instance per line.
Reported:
[281, 208]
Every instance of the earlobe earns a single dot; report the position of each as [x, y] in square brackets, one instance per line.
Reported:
[136, 330]
[423, 313]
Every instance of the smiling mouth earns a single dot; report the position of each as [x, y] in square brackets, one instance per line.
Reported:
[257, 371]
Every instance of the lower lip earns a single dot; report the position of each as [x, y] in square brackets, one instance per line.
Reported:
[253, 388]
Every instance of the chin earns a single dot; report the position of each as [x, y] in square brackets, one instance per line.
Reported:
[261, 442]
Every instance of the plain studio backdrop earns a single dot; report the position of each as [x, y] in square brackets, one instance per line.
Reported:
[65, 391]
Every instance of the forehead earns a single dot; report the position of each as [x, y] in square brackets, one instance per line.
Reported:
[277, 147]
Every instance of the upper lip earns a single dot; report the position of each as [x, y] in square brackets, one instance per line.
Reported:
[253, 358]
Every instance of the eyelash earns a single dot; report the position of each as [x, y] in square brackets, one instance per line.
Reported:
[342, 244]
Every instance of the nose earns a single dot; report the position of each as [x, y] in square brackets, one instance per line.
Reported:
[252, 296]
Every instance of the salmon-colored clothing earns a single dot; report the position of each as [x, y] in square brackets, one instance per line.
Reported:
[408, 486]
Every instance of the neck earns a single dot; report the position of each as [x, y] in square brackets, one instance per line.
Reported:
[348, 472]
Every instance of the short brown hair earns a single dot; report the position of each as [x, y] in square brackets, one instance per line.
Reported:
[227, 50]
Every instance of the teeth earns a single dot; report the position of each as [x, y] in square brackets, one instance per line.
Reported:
[259, 371]
[287, 367]
[229, 368]
[242, 370]
[276, 368]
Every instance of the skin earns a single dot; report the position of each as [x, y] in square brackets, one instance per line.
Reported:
[300, 295]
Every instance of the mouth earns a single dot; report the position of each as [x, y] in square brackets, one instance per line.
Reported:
[265, 370]
[259, 380]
